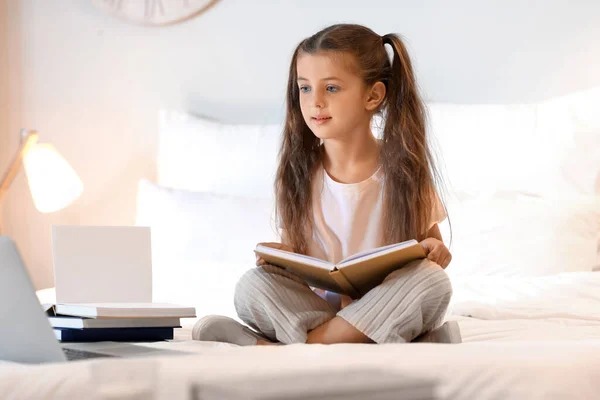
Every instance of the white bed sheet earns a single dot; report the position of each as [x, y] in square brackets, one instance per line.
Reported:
[490, 370]
[518, 343]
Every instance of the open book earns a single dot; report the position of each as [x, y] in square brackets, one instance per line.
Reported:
[354, 275]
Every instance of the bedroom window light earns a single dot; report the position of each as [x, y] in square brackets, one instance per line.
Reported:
[52, 181]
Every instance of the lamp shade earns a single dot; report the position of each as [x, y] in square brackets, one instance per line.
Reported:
[52, 181]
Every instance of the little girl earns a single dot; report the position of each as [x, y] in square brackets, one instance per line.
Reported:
[339, 191]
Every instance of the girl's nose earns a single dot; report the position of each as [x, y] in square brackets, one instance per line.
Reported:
[318, 100]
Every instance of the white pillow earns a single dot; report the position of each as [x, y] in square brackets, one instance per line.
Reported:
[580, 170]
[203, 155]
[547, 148]
[486, 148]
[512, 235]
[201, 243]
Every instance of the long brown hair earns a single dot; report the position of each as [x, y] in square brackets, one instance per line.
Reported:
[410, 174]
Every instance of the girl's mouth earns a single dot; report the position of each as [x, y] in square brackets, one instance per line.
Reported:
[321, 120]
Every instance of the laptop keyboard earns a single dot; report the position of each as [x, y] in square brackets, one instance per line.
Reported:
[73, 354]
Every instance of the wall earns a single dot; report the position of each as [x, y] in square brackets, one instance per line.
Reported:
[92, 84]
[10, 105]
[4, 91]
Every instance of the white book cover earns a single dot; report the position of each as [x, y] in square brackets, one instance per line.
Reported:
[97, 264]
[125, 310]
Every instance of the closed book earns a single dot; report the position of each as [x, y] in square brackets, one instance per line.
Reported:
[125, 310]
[355, 275]
[113, 334]
[95, 323]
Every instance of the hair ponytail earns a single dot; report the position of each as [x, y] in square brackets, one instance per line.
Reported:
[410, 195]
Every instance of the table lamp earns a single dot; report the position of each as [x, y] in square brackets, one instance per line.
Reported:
[52, 181]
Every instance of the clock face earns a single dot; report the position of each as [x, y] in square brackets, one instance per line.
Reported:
[154, 12]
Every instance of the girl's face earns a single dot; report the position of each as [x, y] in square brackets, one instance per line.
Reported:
[332, 97]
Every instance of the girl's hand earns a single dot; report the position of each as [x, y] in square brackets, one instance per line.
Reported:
[436, 251]
[275, 245]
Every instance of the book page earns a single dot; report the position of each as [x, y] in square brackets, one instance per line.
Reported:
[379, 250]
[316, 262]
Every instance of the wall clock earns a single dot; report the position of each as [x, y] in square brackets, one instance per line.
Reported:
[154, 12]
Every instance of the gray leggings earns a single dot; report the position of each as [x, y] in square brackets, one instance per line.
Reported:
[410, 301]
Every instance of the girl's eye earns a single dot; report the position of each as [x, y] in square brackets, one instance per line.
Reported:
[306, 89]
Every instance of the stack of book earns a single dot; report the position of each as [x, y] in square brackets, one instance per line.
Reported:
[87, 322]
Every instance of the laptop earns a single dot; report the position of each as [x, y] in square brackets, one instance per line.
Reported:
[25, 332]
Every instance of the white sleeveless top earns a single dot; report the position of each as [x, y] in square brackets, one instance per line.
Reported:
[348, 217]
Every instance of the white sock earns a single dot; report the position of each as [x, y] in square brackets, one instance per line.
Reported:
[217, 328]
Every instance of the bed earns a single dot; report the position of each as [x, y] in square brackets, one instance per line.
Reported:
[525, 271]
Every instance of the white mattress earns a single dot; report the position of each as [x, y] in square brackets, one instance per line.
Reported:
[482, 370]
[524, 343]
